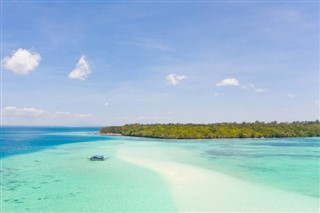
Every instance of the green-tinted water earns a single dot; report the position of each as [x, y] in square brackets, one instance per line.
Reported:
[62, 179]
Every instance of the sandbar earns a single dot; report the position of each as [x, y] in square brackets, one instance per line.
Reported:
[197, 189]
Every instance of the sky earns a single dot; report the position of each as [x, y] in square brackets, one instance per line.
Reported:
[98, 63]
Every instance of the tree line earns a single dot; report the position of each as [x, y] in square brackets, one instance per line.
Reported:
[218, 130]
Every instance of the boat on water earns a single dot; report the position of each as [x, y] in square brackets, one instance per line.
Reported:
[97, 158]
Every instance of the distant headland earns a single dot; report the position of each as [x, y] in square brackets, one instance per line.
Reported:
[218, 130]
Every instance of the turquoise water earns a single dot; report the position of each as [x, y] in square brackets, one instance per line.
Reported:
[290, 164]
[63, 180]
[47, 170]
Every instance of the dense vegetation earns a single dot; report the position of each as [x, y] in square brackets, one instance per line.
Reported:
[218, 130]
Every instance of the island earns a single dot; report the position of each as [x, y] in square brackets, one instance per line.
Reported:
[256, 129]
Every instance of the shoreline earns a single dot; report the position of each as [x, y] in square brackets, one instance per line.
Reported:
[110, 134]
[220, 138]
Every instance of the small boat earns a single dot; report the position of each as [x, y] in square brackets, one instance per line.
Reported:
[97, 158]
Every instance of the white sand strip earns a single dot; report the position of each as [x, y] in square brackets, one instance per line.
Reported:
[196, 189]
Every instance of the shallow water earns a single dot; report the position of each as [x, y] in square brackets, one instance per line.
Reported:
[62, 179]
[47, 170]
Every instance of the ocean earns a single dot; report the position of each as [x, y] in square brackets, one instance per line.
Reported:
[46, 169]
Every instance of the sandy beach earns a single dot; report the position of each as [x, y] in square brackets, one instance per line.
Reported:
[196, 189]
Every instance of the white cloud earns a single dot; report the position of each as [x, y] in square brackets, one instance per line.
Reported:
[235, 82]
[71, 114]
[174, 79]
[248, 86]
[260, 90]
[228, 82]
[106, 104]
[81, 71]
[216, 94]
[22, 111]
[22, 61]
[25, 111]
[251, 86]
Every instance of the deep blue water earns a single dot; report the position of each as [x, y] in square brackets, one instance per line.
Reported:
[19, 140]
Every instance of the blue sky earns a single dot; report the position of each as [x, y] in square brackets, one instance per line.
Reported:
[107, 63]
